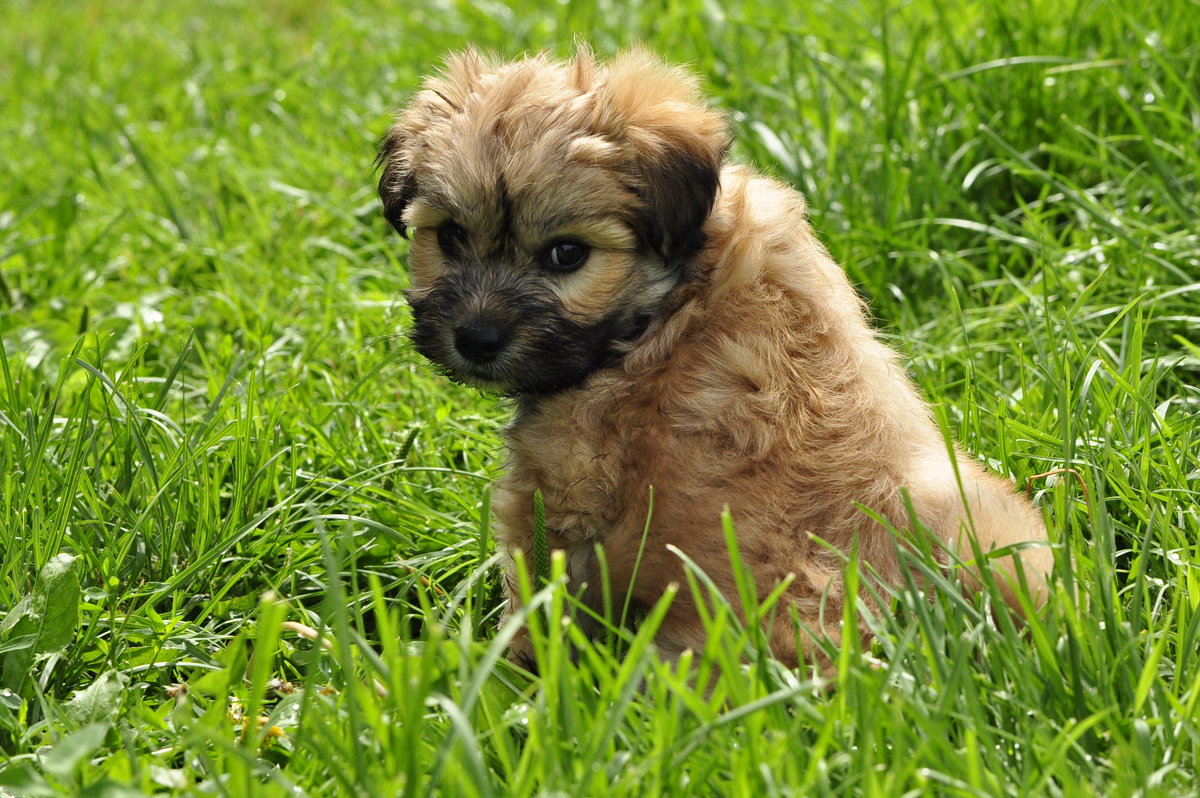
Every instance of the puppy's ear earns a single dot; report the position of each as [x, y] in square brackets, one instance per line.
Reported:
[404, 145]
[397, 183]
[678, 143]
[681, 179]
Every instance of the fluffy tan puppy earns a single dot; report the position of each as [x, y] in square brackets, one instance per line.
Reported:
[664, 321]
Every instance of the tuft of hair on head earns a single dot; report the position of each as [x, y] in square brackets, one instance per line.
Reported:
[462, 74]
[583, 76]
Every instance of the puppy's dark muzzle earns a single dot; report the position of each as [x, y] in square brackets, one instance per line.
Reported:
[480, 341]
[502, 329]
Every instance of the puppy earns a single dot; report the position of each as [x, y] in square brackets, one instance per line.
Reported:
[667, 322]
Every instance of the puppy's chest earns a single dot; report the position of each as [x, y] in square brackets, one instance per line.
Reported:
[583, 472]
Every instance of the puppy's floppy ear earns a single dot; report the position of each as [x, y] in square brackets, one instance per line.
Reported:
[678, 146]
[403, 146]
[680, 187]
[397, 183]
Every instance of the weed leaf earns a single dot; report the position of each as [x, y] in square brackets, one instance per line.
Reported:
[100, 700]
[42, 622]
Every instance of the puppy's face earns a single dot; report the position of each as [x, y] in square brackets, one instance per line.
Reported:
[553, 209]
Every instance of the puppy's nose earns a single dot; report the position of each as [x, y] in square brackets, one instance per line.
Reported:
[480, 341]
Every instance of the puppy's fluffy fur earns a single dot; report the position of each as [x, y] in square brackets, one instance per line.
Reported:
[706, 346]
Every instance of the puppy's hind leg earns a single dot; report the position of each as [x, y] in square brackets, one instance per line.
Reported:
[1000, 519]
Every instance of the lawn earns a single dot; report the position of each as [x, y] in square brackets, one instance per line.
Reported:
[215, 437]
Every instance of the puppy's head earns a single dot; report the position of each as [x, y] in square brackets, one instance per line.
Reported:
[553, 208]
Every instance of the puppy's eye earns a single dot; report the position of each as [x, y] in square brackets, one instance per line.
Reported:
[565, 256]
[452, 239]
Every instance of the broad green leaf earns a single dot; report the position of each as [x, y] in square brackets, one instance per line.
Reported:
[42, 622]
[99, 701]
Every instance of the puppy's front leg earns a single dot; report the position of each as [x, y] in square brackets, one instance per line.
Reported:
[520, 650]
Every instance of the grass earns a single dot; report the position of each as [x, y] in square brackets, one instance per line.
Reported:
[212, 429]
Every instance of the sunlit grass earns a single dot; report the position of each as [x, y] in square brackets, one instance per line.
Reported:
[207, 401]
